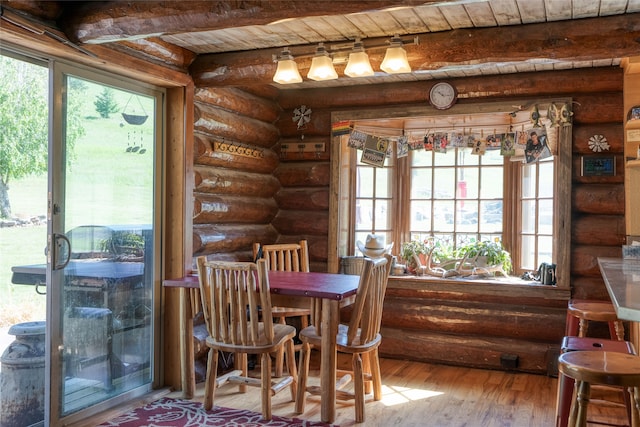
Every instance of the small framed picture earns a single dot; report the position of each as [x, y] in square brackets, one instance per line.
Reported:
[598, 166]
[634, 113]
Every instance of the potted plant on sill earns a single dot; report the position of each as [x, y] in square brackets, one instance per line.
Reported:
[412, 249]
[486, 256]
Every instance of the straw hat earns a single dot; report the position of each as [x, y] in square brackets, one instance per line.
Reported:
[374, 246]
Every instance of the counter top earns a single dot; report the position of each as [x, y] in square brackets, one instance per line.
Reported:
[622, 278]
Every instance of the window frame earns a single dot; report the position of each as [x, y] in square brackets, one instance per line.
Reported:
[339, 238]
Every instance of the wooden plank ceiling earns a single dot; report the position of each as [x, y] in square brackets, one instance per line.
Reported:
[227, 43]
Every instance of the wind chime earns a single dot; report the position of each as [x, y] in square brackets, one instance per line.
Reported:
[136, 118]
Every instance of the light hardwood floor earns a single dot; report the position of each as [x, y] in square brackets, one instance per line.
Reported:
[427, 395]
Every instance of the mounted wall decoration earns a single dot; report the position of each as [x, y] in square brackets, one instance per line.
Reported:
[553, 114]
[302, 116]
[598, 166]
[535, 116]
[565, 114]
[598, 143]
[237, 149]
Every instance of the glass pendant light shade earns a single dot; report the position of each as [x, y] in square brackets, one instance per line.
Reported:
[322, 66]
[395, 60]
[358, 65]
[287, 71]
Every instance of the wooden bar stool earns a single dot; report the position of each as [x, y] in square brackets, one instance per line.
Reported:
[600, 367]
[566, 384]
[580, 312]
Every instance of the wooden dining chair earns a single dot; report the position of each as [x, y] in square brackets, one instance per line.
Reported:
[360, 338]
[232, 294]
[286, 257]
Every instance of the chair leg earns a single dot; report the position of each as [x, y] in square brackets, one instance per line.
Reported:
[279, 356]
[366, 367]
[579, 406]
[303, 371]
[210, 379]
[291, 368]
[376, 377]
[358, 386]
[265, 363]
[241, 361]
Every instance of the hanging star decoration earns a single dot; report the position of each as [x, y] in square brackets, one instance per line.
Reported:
[302, 116]
[598, 143]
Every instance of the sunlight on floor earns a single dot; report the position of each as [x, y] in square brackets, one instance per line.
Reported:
[394, 395]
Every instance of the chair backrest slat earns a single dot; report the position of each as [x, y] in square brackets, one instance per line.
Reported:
[232, 295]
[285, 256]
[366, 315]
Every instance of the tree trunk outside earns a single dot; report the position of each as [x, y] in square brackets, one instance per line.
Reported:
[5, 204]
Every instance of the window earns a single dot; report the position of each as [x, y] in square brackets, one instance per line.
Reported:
[456, 195]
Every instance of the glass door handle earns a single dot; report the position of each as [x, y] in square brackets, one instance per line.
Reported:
[59, 242]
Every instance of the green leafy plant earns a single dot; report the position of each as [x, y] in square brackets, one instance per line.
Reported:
[123, 242]
[414, 247]
[495, 254]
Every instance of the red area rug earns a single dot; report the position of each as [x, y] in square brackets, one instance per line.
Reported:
[168, 412]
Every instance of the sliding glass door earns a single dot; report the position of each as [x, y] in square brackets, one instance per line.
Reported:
[101, 260]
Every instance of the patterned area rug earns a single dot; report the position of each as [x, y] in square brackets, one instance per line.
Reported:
[168, 412]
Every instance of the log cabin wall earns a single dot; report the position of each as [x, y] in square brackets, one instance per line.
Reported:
[234, 183]
[440, 323]
[242, 196]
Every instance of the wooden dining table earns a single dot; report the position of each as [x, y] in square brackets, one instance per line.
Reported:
[332, 290]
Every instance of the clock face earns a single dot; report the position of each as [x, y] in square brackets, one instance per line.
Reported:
[442, 95]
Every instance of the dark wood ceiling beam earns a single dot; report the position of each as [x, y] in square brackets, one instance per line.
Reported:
[578, 40]
[101, 22]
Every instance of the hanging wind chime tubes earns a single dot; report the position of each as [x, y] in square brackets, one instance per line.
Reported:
[134, 119]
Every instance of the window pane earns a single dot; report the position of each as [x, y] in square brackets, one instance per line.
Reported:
[491, 216]
[382, 215]
[492, 157]
[491, 185]
[529, 216]
[443, 215]
[529, 180]
[364, 214]
[528, 248]
[466, 216]
[545, 249]
[546, 178]
[468, 183]
[421, 183]
[421, 158]
[445, 183]
[364, 181]
[445, 159]
[545, 218]
[465, 158]
[382, 182]
[421, 215]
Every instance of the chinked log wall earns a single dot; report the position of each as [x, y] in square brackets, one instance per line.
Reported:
[239, 200]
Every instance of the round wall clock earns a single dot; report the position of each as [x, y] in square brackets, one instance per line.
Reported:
[443, 95]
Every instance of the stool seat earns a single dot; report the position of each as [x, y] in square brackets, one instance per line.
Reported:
[566, 384]
[600, 367]
[591, 310]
